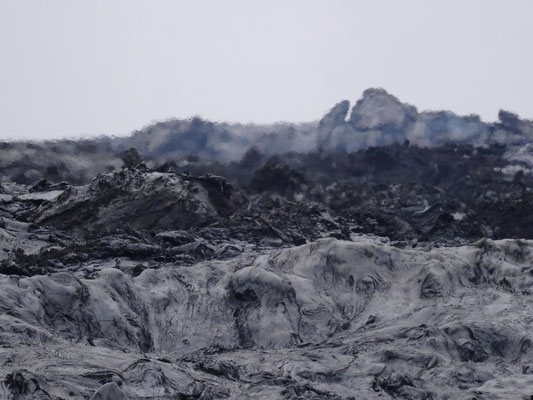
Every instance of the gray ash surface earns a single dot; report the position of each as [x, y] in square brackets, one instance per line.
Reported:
[397, 271]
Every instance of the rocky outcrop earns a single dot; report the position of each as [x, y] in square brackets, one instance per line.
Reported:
[278, 177]
[378, 110]
[334, 119]
[139, 200]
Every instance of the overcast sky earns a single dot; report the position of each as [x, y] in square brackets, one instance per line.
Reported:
[71, 68]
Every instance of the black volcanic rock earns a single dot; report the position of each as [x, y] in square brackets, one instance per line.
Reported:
[277, 177]
[141, 200]
[131, 158]
[251, 160]
[510, 121]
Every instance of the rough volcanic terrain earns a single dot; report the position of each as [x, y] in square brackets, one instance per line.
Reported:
[392, 258]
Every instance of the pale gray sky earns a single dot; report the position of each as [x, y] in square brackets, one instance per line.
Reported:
[72, 67]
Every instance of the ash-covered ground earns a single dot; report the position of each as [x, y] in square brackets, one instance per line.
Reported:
[390, 258]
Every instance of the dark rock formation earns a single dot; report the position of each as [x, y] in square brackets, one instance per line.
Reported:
[138, 200]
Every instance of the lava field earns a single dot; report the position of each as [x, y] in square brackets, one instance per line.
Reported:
[388, 255]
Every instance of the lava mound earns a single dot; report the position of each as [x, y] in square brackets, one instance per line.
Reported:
[138, 199]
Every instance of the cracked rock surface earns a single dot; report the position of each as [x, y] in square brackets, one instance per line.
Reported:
[329, 319]
[348, 280]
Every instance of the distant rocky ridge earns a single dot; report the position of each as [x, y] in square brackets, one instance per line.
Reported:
[376, 119]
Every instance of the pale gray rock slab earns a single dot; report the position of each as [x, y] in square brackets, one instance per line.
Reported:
[330, 319]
